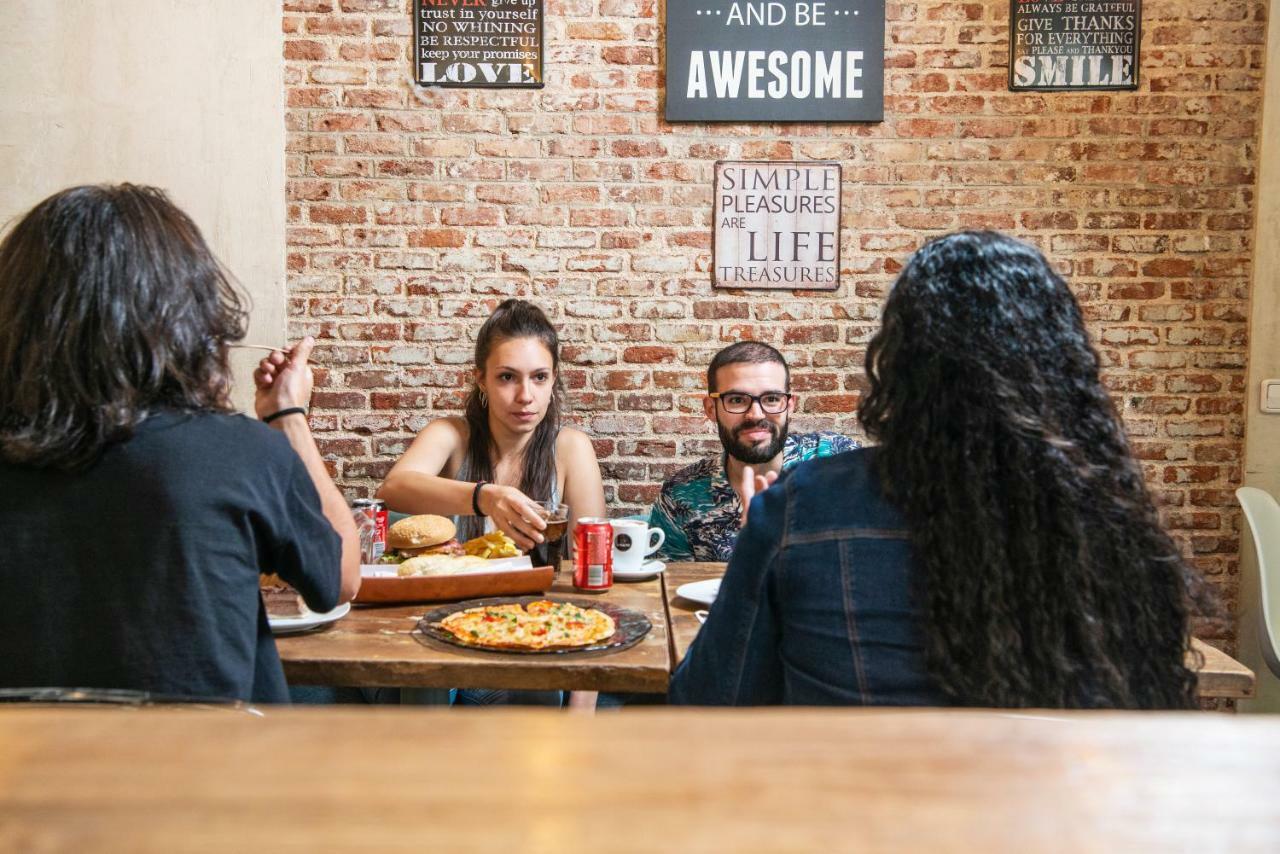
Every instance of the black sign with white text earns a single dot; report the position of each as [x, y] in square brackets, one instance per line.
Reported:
[794, 60]
[1074, 44]
[478, 43]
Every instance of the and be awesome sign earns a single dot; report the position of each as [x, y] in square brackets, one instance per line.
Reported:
[1074, 44]
[478, 43]
[777, 225]
[735, 60]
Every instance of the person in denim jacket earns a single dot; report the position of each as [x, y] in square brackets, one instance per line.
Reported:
[998, 548]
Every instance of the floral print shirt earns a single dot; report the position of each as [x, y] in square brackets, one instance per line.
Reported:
[698, 509]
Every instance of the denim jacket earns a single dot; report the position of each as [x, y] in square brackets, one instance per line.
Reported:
[817, 606]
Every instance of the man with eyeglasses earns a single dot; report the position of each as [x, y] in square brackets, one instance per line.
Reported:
[749, 399]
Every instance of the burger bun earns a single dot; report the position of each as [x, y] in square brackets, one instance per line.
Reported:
[420, 532]
[440, 565]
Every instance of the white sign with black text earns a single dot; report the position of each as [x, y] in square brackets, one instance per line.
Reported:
[777, 225]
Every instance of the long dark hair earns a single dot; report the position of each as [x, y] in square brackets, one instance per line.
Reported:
[111, 307]
[1047, 578]
[515, 318]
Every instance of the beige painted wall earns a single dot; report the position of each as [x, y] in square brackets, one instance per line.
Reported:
[185, 96]
[1262, 431]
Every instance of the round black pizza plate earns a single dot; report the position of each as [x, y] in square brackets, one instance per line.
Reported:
[631, 626]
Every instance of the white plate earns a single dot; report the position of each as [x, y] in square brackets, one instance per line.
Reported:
[392, 570]
[290, 625]
[648, 569]
[704, 592]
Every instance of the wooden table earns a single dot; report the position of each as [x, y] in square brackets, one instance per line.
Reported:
[1220, 675]
[776, 780]
[376, 646]
[684, 625]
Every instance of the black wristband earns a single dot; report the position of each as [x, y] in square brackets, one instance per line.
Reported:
[292, 410]
[475, 497]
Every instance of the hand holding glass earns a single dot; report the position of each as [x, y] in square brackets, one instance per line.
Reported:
[550, 551]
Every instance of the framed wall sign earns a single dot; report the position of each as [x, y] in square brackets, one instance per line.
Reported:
[746, 60]
[1074, 44]
[777, 225]
[478, 43]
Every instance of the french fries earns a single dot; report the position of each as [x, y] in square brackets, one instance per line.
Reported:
[491, 546]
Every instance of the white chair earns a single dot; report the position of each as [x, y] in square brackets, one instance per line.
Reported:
[1263, 514]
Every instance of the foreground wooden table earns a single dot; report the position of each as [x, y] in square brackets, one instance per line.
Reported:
[665, 780]
[376, 646]
[1220, 675]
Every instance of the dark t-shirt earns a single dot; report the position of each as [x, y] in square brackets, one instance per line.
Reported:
[142, 572]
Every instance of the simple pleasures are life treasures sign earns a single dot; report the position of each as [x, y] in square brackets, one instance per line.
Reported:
[777, 225]
[731, 60]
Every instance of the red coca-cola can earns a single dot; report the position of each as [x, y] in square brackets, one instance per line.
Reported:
[593, 554]
[375, 511]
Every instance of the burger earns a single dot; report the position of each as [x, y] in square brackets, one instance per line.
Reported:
[421, 535]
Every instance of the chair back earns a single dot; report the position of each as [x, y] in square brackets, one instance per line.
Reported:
[120, 698]
[1263, 515]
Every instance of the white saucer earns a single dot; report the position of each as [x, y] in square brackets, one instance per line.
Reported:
[309, 620]
[648, 569]
[703, 592]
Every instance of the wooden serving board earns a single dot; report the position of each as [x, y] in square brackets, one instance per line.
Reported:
[443, 588]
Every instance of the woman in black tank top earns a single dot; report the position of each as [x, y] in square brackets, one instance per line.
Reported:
[509, 451]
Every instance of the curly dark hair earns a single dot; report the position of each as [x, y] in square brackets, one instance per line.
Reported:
[1047, 579]
[111, 307]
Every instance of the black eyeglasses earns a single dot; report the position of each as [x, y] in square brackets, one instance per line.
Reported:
[738, 402]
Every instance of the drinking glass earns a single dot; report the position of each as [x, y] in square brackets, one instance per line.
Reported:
[551, 551]
[367, 528]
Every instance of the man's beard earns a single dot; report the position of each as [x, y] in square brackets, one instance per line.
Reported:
[753, 454]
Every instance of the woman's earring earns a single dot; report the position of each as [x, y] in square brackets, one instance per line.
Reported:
[484, 400]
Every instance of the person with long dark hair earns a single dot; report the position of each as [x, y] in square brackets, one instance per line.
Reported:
[998, 547]
[506, 457]
[509, 452]
[136, 509]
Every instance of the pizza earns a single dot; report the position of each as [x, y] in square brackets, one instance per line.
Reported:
[541, 624]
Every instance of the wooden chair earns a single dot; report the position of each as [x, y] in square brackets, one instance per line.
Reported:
[1263, 515]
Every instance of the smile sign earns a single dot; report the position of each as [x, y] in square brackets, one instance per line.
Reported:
[1074, 44]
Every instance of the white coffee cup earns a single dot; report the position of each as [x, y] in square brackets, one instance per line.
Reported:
[633, 541]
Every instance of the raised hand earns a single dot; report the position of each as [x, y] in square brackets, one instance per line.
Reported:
[284, 380]
[751, 483]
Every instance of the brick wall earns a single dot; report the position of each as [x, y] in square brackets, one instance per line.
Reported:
[413, 213]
